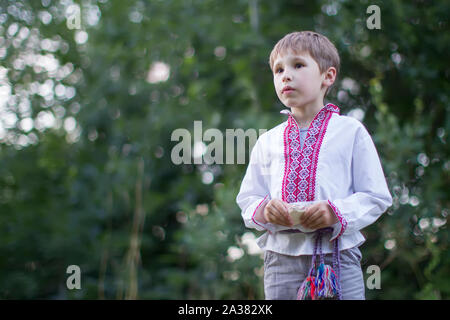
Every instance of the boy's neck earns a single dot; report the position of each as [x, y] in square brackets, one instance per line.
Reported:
[304, 115]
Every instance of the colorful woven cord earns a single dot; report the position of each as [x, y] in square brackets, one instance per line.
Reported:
[322, 282]
[326, 283]
[307, 290]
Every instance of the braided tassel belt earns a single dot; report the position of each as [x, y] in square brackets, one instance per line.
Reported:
[323, 281]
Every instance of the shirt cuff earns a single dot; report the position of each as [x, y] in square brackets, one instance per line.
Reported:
[258, 214]
[340, 226]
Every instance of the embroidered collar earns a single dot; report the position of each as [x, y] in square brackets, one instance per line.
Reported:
[301, 163]
[328, 106]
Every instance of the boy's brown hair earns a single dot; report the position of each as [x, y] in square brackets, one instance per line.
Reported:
[318, 46]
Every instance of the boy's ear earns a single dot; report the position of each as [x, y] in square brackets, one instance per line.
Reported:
[330, 76]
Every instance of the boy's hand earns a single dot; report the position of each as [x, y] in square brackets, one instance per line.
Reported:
[276, 212]
[318, 216]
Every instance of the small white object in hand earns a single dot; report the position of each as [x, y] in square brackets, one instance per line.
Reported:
[296, 210]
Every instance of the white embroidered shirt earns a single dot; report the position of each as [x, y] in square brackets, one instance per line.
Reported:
[338, 162]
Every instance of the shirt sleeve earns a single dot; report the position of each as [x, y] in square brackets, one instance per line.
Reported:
[371, 196]
[254, 193]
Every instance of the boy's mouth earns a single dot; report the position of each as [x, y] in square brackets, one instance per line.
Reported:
[287, 89]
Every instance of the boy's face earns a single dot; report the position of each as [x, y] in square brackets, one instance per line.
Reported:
[298, 80]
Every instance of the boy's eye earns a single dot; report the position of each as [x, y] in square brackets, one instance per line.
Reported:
[299, 65]
[278, 70]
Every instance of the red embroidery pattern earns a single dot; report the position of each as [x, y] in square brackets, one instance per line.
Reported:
[340, 218]
[301, 164]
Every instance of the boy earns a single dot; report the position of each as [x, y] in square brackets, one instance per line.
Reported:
[319, 157]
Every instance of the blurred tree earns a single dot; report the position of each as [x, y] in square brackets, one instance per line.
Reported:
[91, 92]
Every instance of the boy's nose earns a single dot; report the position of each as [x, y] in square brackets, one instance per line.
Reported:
[286, 77]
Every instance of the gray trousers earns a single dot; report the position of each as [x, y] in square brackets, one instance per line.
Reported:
[283, 274]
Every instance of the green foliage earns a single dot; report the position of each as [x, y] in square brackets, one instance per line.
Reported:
[97, 188]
